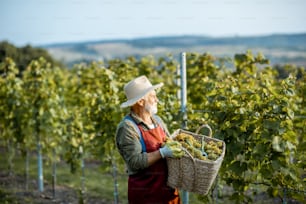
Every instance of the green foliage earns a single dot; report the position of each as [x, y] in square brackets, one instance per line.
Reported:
[10, 108]
[24, 55]
[42, 105]
[253, 113]
[259, 115]
[11, 99]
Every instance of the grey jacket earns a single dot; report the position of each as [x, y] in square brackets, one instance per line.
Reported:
[128, 143]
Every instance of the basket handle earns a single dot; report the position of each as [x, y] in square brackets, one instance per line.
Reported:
[186, 151]
[205, 126]
[202, 141]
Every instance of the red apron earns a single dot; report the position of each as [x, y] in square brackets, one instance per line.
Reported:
[150, 185]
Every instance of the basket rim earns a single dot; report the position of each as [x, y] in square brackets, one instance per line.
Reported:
[218, 160]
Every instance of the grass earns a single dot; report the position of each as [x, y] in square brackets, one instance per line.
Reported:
[6, 197]
[98, 184]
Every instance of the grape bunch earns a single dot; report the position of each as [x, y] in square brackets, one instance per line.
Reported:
[212, 148]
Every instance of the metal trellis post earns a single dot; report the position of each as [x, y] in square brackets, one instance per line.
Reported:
[185, 194]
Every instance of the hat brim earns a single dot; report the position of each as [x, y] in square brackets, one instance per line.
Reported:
[134, 100]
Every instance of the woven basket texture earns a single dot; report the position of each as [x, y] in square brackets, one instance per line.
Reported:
[192, 174]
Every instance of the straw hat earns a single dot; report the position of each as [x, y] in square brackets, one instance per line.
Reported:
[136, 89]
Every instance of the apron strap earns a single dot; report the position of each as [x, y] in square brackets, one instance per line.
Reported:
[129, 118]
[143, 145]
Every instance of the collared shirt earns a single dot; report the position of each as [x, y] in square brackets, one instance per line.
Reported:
[128, 143]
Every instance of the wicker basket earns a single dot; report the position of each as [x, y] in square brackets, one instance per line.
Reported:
[191, 174]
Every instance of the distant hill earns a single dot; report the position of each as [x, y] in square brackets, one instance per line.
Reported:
[280, 48]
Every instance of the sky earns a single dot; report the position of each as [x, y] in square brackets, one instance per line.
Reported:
[42, 22]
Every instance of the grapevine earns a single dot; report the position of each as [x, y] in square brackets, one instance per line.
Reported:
[213, 149]
[260, 117]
